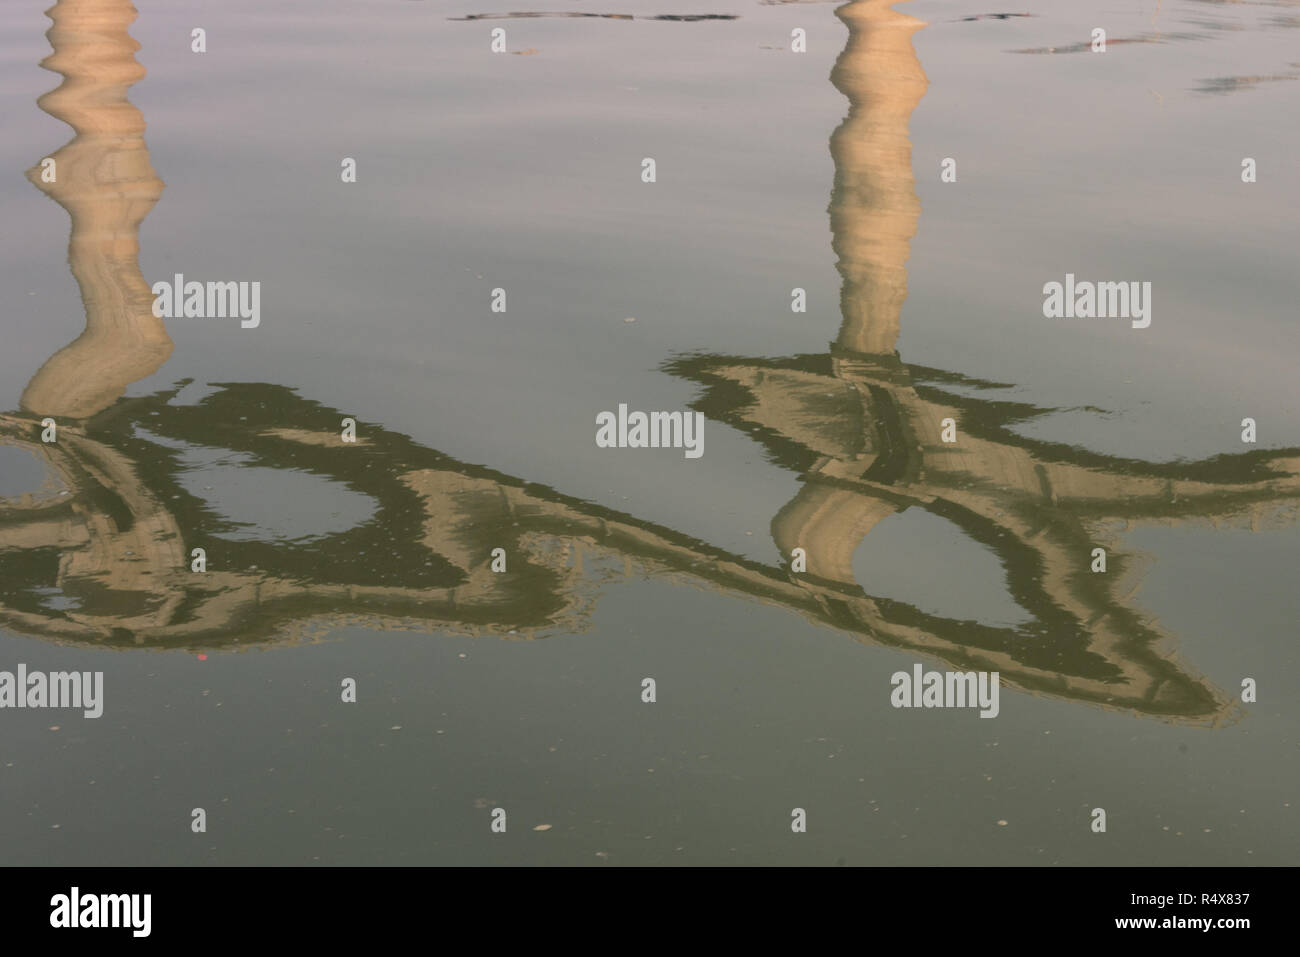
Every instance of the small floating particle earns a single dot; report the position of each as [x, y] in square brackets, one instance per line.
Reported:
[1002, 823]
[630, 319]
[542, 827]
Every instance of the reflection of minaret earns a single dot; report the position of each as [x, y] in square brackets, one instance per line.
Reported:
[874, 208]
[862, 428]
[874, 212]
[104, 180]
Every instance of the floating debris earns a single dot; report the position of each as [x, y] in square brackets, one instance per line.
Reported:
[679, 17]
[1230, 84]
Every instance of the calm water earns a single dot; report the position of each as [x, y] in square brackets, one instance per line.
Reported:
[522, 690]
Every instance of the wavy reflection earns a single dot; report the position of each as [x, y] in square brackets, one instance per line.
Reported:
[104, 180]
[101, 554]
[863, 430]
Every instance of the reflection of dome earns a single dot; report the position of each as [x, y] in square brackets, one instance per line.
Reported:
[104, 180]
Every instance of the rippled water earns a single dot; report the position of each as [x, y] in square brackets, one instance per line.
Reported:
[523, 690]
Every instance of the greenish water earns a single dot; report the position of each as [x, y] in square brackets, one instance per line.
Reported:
[522, 689]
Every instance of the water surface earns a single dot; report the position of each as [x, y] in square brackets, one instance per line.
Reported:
[522, 690]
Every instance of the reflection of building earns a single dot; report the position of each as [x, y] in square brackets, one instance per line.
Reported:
[857, 424]
[864, 429]
[104, 180]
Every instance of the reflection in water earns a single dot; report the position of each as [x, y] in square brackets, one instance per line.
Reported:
[104, 180]
[858, 425]
[862, 428]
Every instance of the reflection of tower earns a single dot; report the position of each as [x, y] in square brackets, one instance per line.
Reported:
[875, 209]
[863, 429]
[874, 212]
[104, 180]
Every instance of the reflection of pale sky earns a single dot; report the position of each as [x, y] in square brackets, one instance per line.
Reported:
[20, 471]
[1139, 179]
